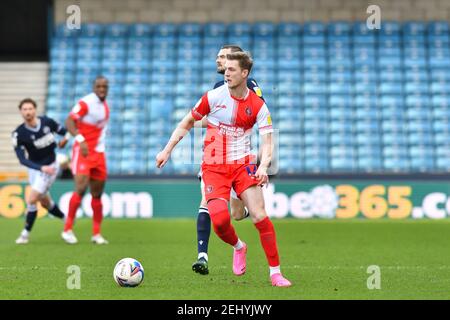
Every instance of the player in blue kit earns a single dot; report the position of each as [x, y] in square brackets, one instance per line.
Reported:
[238, 210]
[34, 143]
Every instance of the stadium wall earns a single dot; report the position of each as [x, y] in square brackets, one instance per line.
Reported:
[154, 11]
[340, 199]
[24, 30]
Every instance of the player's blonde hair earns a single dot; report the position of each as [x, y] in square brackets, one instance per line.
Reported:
[244, 58]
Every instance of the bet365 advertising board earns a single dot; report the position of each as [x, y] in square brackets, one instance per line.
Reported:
[296, 199]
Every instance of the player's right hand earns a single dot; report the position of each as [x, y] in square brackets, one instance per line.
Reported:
[84, 149]
[162, 158]
[48, 170]
[62, 143]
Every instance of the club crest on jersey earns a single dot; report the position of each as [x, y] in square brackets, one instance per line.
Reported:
[46, 129]
[248, 111]
[209, 188]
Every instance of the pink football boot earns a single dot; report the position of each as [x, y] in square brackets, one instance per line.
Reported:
[279, 281]
[239, 260]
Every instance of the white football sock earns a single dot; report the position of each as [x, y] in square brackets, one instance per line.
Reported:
[274, 270]
[203, 255]
[239, 245]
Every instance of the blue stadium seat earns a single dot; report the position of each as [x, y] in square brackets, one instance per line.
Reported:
[438, 28]
[346, 98]
[418, 100]
[239, 29]
[140, 30]
[215, 29]
[92, 30]
[289, 29]
[264, 29]
[390, 28]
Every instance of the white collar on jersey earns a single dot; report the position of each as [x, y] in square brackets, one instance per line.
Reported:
[37, 128]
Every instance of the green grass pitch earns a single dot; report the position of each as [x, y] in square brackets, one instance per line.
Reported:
[325, 259]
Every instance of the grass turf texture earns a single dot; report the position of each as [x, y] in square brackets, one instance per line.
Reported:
[323, 259]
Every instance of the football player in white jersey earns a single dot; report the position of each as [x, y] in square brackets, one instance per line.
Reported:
[232, 111]
[238, 210]
[87, 123]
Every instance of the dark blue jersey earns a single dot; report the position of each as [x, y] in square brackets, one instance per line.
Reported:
[39, 143]
[251, 84]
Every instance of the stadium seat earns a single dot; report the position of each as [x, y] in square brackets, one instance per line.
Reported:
[352, 100]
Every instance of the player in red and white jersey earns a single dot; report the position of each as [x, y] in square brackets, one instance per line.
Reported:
[87, 122]
[232, 110]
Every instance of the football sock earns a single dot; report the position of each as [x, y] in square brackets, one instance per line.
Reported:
[218, 210]
[25, 233]
[74, 204]
[31, 217]
[274, 270]
[268, 241]
[203, 230]
[239, 245]
[97, 209]
[55, 211]
[202, 255]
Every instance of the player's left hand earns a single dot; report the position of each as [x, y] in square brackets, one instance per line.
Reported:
[62, 143]
[261, 176]
[162, 158]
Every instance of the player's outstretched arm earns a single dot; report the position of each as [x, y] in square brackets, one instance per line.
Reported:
[266, 158]
[180, 131]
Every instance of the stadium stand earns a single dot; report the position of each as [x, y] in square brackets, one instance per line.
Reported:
[17, 80]
[345, 99]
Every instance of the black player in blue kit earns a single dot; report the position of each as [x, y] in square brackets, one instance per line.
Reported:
[34, 143]
[238, 210]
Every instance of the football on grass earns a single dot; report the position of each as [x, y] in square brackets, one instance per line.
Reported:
[128, 272]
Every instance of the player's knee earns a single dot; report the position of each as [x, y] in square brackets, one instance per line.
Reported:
[203, 203]
[81, 190]
[45, 203]
[96, 195]
[258, 215]
[218, 211]
[32, 199]
[237, 214]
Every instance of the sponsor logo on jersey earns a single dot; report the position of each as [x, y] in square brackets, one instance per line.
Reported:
[269, 120]
[230, 131]
[45, 141]
[258, 91]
